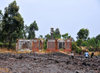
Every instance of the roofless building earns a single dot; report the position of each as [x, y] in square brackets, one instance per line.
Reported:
[56, 44]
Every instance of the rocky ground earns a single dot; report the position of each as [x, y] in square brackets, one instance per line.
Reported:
[48, 63]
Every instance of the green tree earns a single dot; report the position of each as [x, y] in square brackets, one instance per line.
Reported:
[76, 48]
[41, 36]
[25, 32]
[32, 28]
[57, 34]
[79, 42]
[13, 23]
[83, 34]
[98, 41]
[98, 44]
[98, 37]
[1, 15]
[65, 36]
[92, 43]
[48, 36]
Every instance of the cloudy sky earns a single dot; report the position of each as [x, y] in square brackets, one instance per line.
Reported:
[67, 15]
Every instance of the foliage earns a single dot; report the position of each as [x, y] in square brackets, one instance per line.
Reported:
[41, 36]
[32, 28]
[98, 44]
[84, 43]
[13, 23]
[6, 45]
[65, 36]
[25, 32]
[79, 42]
[92, 43]
[45, 44]
[57, 34]
[76, 48]
[98, 37]
[91, 49]
[83, 34]
[48, 36]
[79, 50]
[1, 15]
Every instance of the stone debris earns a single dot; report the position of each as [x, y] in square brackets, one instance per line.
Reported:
[48, 63]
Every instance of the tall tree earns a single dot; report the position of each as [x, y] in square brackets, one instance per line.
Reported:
[57, 34]
[25, 31]
[83, 34]
[13, 23]
[1, 15]
[32, 28]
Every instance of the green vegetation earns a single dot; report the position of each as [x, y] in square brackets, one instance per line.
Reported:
[91, 44]
[66, 36]
[12, 28]
[83, 34]
[12, 23]
[76, 48]
[45, 45]
[57, 34]
[32, 28]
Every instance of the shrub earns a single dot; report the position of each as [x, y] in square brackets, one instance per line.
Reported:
[91, 49]
[1, 44]
[84, 43]
[45, 45]
[98, 44]
[6, 45]
[76, 48]
[92, 43]
[79, 42]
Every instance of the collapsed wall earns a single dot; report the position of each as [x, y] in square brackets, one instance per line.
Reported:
[32, 45]
[55, 45]
[23, 44]
[52, 45]
[37, 44]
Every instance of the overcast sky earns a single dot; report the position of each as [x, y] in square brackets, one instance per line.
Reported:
[67, 15]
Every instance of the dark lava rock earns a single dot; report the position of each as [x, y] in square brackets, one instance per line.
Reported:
[48, 63]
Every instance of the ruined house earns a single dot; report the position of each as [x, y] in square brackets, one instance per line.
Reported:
[33, 45]
[56, 44]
